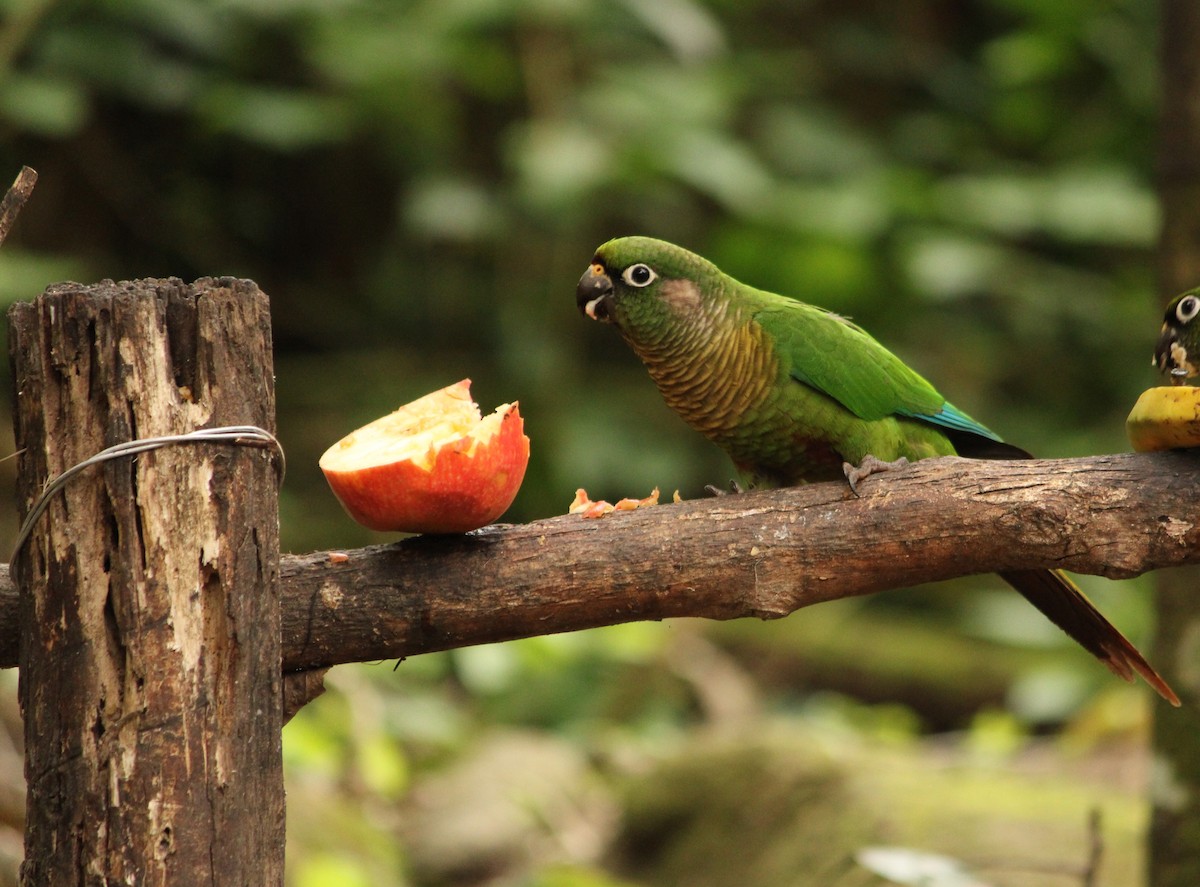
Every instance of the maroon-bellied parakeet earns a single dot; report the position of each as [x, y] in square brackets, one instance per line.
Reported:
[794, 393]
[1177, 353]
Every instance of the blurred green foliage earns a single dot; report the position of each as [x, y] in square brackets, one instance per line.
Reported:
[419, 184]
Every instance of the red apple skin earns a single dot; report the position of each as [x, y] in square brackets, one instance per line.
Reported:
[462, 492]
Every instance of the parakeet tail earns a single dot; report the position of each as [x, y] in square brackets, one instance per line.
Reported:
[1066, 606]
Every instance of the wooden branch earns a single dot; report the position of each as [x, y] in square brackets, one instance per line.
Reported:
[12, 202]
[760, 554]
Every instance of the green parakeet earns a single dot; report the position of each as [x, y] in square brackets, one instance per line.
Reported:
[794, 393]
[1178, 351]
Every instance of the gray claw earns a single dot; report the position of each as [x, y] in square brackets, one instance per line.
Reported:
[714, 490]
[870, 465]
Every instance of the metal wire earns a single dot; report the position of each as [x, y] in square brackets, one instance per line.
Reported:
[234, 435]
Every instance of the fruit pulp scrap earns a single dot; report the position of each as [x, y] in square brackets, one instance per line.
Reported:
[585, 506]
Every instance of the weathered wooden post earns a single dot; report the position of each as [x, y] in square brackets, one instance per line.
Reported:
[150, 635]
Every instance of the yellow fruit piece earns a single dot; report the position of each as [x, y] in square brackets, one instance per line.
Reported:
[1165, 419]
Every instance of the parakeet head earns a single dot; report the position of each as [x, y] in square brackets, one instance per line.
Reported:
[643, 285]
[1178, 350]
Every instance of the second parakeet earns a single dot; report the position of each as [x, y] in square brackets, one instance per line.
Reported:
[794, 393]
[1177, 353]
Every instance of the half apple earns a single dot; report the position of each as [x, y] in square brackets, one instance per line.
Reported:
[433, 466]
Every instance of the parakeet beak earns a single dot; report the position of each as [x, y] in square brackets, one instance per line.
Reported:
[1170, 356]
[594, 293]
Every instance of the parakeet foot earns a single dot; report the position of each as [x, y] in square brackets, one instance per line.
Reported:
[869, 465]
[714, 490]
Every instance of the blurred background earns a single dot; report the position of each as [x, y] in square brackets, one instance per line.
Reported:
[419, 185]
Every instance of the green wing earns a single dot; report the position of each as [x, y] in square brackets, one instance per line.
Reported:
[838, 358]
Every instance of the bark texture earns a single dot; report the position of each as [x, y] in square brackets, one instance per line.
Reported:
[148, 593]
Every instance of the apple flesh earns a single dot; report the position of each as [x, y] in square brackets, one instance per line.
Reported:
[433, 466]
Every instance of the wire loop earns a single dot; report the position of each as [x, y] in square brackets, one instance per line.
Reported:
[234, 435]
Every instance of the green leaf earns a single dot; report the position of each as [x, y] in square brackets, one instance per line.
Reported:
[277, 118]
[43, 105]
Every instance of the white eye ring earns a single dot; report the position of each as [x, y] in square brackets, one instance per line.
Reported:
[1188, 308]
[639, 275]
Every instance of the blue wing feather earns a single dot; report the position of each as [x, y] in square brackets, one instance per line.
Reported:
[950, 416]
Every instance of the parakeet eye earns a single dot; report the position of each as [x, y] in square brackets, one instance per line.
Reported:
[639, 275]
[1188, 308]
